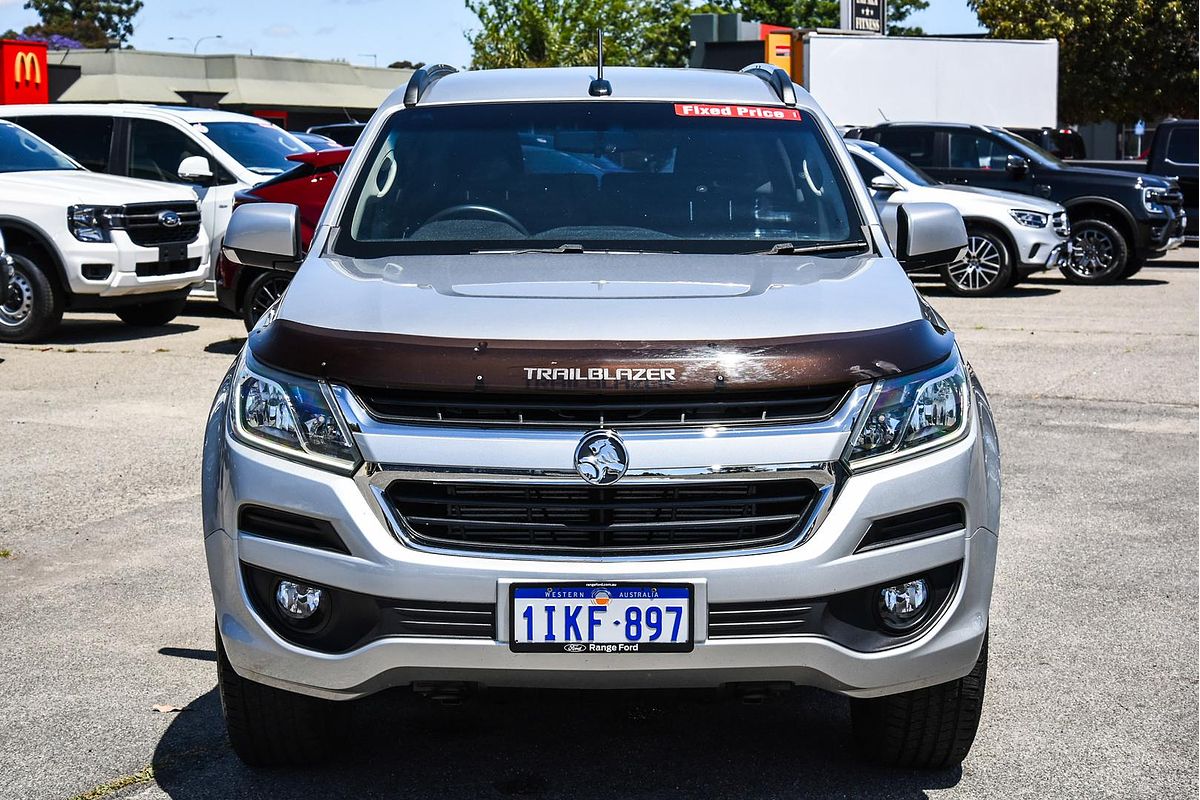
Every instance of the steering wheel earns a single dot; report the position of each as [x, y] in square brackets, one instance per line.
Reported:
[504, 216]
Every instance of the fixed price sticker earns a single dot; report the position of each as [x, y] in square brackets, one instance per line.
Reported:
[736, 112]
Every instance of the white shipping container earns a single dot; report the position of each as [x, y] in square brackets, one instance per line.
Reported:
[863, 80]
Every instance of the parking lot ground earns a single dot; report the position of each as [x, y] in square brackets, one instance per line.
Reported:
[1092, 689]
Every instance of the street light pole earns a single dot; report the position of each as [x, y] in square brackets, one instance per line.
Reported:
[179, 39]
[196, 49]
[374, 58]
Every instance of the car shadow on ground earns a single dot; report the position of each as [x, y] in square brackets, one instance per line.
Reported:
[555, 744]
[1021, 290]
[226, 347]
[206, 307]
[109, 330]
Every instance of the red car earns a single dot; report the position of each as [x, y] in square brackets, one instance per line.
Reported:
[249, 291]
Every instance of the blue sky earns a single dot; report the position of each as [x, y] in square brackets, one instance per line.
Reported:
[359, 31]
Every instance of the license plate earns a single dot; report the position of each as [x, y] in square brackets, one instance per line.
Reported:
[172, 252]
[601, 618]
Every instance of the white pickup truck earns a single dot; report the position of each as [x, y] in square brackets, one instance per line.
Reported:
[81, 241]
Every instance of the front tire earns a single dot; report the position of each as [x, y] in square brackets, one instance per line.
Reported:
[987, 269]
[34, 306]
[270, 727]
[1100, 253]
[152, 314]
[930, 728]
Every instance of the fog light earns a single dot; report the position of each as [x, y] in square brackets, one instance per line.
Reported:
[902, 606]
[297, 600]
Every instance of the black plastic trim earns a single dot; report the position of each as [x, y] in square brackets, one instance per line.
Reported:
[285, 526]
[348, 620]
[913, 525]
[777, 78]
[422, 79]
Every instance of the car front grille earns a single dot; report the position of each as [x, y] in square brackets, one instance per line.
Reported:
[145, 228]
[438, 620]
[663, 517]
[479, 408]
[763, 619]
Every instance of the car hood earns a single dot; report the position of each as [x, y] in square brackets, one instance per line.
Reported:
[81, 186]
[1009, 200]
[1112, 177]
[483, 321]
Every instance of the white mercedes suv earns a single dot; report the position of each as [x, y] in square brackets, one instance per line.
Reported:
[86, 242]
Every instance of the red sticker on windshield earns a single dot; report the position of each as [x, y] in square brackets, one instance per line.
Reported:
[735, 112]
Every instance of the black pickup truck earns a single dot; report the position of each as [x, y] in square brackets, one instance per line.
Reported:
[1118, 220]
[1173, 153]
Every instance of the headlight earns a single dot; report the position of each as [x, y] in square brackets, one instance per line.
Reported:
[92, 223]
[912, 414]
[1030, 219]
[291, 416]
[1152, 200]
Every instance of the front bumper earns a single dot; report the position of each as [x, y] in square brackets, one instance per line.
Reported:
[379, 563]
[1040, 248]
[1161, 234]
[118, 263]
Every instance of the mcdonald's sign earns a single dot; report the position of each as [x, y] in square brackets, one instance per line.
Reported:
[24, 74]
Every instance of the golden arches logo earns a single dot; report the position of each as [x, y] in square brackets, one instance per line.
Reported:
[28, 63]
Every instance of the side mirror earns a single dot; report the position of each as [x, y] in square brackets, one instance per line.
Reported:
[1016, 167]
[264, 235]
[925, 235]
[884, 183]
[195, 169]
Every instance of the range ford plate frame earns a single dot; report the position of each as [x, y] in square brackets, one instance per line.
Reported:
[592, 595]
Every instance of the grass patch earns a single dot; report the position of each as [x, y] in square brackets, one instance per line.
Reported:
[5, 552]
[144, 775]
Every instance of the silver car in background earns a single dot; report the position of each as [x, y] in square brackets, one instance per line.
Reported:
[1010, 235]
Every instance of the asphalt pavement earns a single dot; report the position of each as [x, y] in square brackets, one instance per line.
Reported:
[1092, 688]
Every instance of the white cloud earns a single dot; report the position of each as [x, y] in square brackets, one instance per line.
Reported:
[280, 31]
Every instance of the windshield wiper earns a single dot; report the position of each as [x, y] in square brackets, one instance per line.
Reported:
[562, 248]
[790, 249]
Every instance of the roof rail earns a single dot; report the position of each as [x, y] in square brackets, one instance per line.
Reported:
[775, 77]
[422, 79]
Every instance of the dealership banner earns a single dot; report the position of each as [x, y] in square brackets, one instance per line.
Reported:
[24, 74]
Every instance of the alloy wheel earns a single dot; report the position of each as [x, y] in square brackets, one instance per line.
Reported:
[980, 268]
[266, 295]
[20, 302]
[1093, 253]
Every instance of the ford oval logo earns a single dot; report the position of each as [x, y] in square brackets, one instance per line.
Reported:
[601, 458]
[574, 648]
[169, 219]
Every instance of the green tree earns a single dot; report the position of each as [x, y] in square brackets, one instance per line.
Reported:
[533, 33]
[1118, 59]
[554, 33]
[667, 33]
[94, 23]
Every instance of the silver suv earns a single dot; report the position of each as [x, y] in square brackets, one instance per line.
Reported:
[601, 383]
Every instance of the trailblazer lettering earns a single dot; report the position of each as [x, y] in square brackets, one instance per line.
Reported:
[599, 374]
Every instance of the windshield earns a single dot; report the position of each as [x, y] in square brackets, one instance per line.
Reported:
[21, 151]
[1029, 149]
[911, 173]
[598, 175]
[258, 146]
